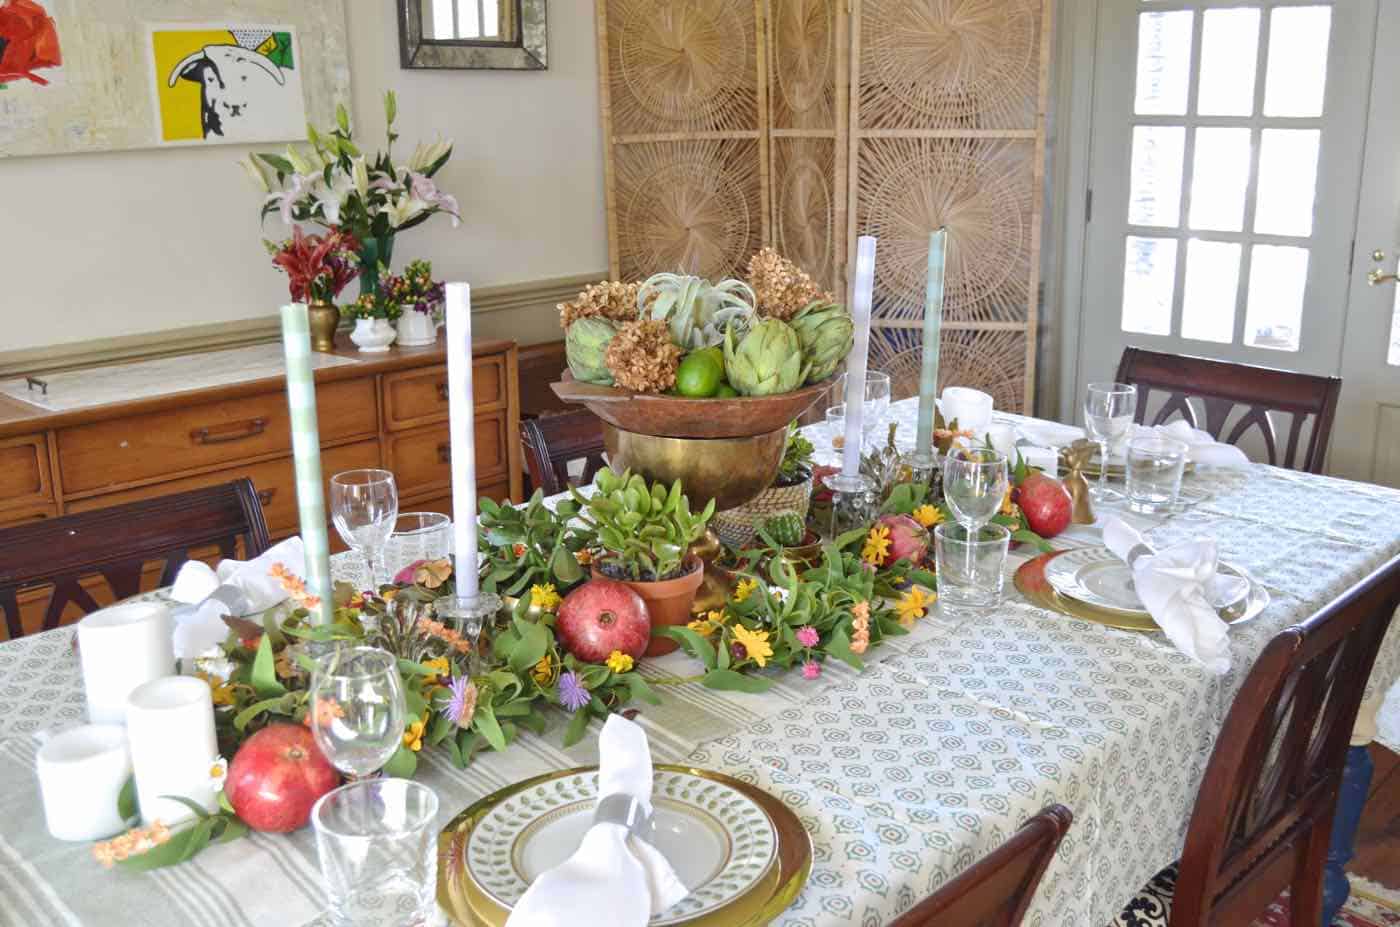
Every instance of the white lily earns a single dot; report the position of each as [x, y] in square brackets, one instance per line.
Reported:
[403, 209]
[254, 172]
[360, 172]
[331, 198]
[299, 163]
[425, 156]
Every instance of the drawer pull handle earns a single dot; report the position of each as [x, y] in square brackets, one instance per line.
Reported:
[235, 432]
[265, 496]
[445, 453]
[442, 391]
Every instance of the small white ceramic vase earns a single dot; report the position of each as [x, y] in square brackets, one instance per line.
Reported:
[416, 329]
[373, 335]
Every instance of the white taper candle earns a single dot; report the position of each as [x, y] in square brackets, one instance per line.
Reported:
[860, 350]
[461, 428]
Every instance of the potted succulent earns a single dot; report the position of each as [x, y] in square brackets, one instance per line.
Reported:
[789, 493]
[643, 533]
[419, 299]
[373, 315]
[318, 267]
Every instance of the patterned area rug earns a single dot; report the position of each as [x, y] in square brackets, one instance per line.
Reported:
[1369, 905]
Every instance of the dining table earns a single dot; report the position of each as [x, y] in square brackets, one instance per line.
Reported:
[902, 773]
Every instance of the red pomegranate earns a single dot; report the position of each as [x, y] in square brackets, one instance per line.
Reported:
[601, 616]
[1046, 504]
[276, 776]
[908, 539]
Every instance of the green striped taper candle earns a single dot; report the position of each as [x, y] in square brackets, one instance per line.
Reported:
[933, 331]
[306, 457]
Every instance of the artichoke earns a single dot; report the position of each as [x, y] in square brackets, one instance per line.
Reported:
[827, 333]
[696, 311]
[586, 346]
[767, 360]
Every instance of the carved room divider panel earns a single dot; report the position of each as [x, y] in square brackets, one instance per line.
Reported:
[805, 123]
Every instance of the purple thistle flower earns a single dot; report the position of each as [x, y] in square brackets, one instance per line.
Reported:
[573, 695]
[807, 636]
[462, 708]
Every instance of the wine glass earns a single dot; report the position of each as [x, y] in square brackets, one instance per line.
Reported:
[357, 708]
[975, 480]
[364, 507]
[1108, 414]
[877, 398]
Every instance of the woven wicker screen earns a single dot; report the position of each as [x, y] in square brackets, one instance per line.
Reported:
[730, 124]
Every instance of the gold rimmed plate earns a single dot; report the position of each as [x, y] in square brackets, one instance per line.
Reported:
[754, 825]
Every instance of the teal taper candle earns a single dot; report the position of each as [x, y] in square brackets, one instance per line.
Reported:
[306, 457]
[933, 327]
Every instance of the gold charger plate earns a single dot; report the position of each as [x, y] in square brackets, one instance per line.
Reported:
[1030, 582]
[468, 906]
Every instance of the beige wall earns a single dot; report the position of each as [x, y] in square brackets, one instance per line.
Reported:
[104, 245]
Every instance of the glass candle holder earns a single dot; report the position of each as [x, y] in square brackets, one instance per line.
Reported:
[853, 503]
[922, 467]
[467, 616]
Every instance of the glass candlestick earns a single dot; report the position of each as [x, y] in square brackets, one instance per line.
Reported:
[853, 503]
[922, 467]
[467, 615]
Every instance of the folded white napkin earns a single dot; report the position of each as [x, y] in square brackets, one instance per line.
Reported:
[613, 878]
[236, 588]
[1178, 586]
[1202, 449]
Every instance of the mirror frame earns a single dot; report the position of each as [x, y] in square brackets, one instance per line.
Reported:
[530, 53]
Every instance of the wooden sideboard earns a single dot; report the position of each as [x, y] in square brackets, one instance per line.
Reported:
[387, 410]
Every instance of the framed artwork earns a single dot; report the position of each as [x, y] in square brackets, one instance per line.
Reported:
[106, 75]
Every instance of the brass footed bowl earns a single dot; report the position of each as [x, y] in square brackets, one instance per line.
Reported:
[729, 470]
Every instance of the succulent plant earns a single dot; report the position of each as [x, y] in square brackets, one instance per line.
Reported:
[695, 310]
[786, 529]
[767, 360]
[827, 333]
[644, 529]
[586, 347]
[797, 458]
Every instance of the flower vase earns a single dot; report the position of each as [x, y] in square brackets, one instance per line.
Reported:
[374, 252]
[416, 329]
[373, 335]
[324, 319]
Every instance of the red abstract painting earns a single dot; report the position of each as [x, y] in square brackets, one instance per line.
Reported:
[28, 41]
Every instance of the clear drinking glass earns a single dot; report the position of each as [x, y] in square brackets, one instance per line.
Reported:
[975, 480]
[364, 505]
[836, 427]
[377, 840]
[357, 708]
[877, 398]
[971, 566]
[1108, 416]
[417, 536]
[1153, 474]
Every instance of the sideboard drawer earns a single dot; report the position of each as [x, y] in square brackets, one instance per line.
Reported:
[24, 471]
[147, 447]
[419, 397]
[25, 514]
[421, 460]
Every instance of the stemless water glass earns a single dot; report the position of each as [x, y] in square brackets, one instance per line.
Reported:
[877, 398]
[377, 841]
[975, 480]
[364, 505]
[1108, 415]
[1153, 473]
[971, 567]
[417, 536]
[357, 708]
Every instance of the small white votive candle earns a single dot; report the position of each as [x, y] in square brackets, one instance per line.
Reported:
[81, 774]
[170, 723]
[971, 408]
[120, 648]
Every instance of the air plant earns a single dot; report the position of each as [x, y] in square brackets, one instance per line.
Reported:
[696, 311]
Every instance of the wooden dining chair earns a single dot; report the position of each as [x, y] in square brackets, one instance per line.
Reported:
[1263, 816]
[116, 543]
[998, 888]
[552, 442]
[1222, 387]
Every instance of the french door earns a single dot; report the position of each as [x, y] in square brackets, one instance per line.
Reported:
[1228, 145]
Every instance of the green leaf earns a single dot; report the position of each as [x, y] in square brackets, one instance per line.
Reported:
[694, 644]
[264, 675]
[278, 163]
[534, 641]
[731, 681]
[1027, 536]
[577, 725]
[194, 806]
[127, 807]
[342, 118]
[409, 668]
[403, 764]
[282, 704]
[442, 728]
[414, 703]
[485, 722]
[564, 565]
[233, 829]
[839, 646]
[391, 107]
[639, 689]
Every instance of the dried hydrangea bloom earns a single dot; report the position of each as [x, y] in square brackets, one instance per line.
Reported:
[641, 357]
[782, 289]
[608, 299]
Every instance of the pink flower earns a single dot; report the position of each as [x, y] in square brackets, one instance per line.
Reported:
[404, 577]
[811, 669]
[807, 636]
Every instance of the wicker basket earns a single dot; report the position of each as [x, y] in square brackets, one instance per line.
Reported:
[736, 527]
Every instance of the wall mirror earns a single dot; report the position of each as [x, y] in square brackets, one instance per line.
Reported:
[473, 34]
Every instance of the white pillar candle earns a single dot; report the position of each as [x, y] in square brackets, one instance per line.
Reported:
[860, 350]
[170, 723]
[81, 774]
[461, 428]
[306, 458]
[971, 408]
[120, 648]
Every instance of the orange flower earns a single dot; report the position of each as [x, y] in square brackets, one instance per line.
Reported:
[134, 842]
[326, 711]
[432, 573]
[584, 557]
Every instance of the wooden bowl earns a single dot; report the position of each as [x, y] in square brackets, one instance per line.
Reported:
[679, 417]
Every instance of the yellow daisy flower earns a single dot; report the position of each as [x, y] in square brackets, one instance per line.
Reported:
[413, 736]
[439, 666]
[1007, 508]
[543, 672]
[220, 691]
[584, 557]
[913, 605]
[619, 662]
[744, 589]
[877, 546]
[928, 515]
[708, 625]
[755, 644]
[545, 597]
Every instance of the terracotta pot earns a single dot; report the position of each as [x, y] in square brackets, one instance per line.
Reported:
[668, 603]
[324, 319]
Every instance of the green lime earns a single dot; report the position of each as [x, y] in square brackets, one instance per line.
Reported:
[726, 391]
[698, 375]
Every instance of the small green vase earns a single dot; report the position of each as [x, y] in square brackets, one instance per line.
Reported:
[373, 252]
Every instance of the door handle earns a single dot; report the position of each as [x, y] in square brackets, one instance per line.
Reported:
[223, 434]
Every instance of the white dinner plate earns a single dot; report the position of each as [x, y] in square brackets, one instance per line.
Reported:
[720, 842]
[1096, 576]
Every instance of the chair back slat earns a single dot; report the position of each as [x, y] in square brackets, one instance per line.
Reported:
[1265, 807]
[997, 889]
[115, 544]
[1224, 387]
[552, 442]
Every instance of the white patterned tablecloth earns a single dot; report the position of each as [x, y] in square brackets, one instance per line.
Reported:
[903, 774]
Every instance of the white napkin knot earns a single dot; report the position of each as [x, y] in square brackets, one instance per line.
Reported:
[236, 588]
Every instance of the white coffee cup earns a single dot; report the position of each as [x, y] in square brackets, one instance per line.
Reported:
[81, 774]
[120, 648]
